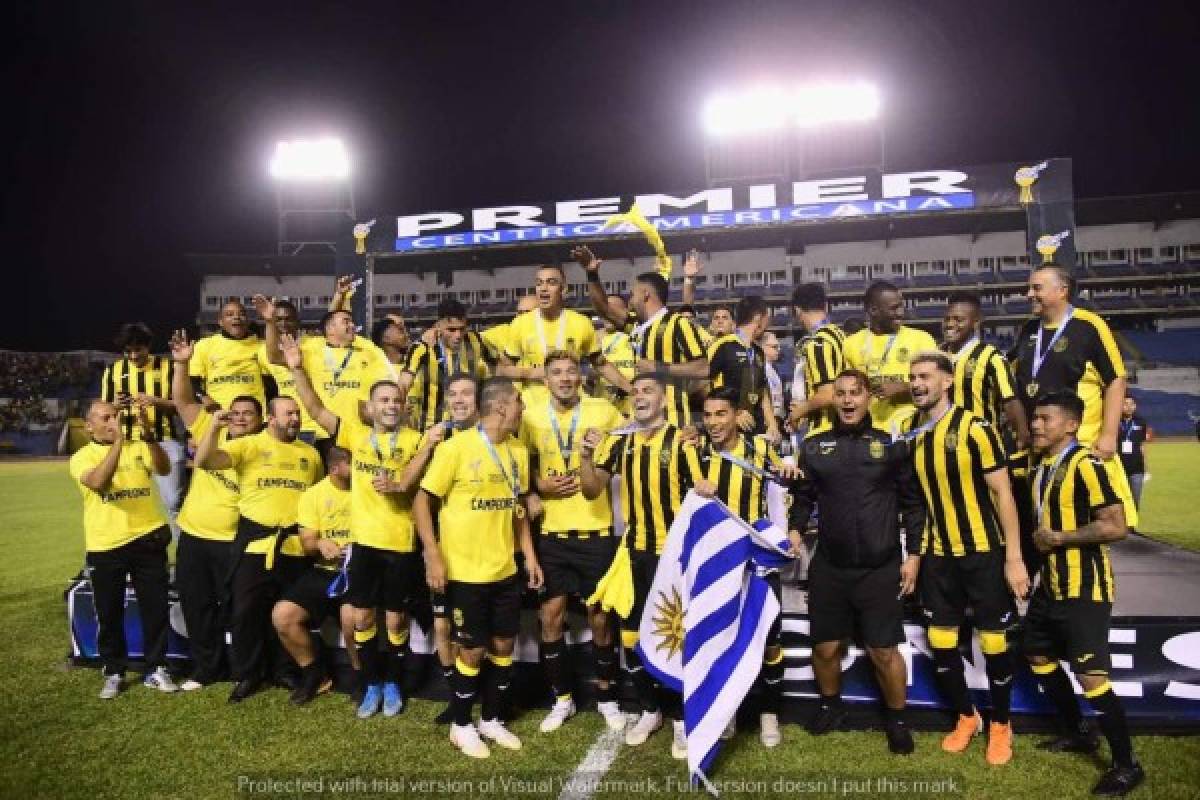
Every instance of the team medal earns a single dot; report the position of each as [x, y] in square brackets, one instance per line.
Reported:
[513, 483]
[1032, 390]
[1039, 355]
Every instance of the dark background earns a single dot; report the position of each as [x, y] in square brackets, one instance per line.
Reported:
[135, 133]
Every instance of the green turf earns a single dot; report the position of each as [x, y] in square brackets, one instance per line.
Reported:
[1167, 513]
[60, 741]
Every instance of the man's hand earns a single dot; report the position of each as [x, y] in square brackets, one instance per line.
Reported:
[329, 549]
[796, 539]
[691, 264]
[291, 351]
[645, 366]
[142, 403]
[1105, 447]
[384, 485]
[909, 571]
[789, 472]
[690, 435]
[586, 258]
[345, 284]
[705, 488]
[430, 336]
[592, 438]
[264, 307]
[1017, 577]
[558, 486]
[435, 571]
[745, 420]
[221, 419]
[436, 434]
[1046, 539]
[536, 578]
[181, 348]
[774, 437]
[533, 505]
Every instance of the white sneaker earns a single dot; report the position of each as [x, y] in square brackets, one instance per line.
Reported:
[112, 687]
[678, 740]
[730, 730]
[768, 730]
[466, 739]
[191, 686]
[646, 724]
[562, 711]
[494, 729]
[611, 711]
[160, 679]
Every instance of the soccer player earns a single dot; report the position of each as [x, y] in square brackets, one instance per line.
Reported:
[323, 520]
[617, 349]
[737, 361]
[577, 542]
[721, 323]
[972, 549]
[495, 338]
[1135, 432]
[384, 568]
[273, 468]
[390, 334]
[739, 466]
[983, 383]
[664, 342]
[225, 365]
[1073, 349]
[286, 319]
[883, 350]
[823, 353]
[1069, 617]
[863, 483]
[549, 327]
[457, 350]
[480, 478]
[208, 525]
[125, 537]
[656, 470]
[139, 376]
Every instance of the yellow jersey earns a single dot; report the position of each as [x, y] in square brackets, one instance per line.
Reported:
[885, 358]
[548, 445]
[285, 383]
[342, 376]
[479, 495]
[383, 521]
[229, 368]
[531, 337]
[325, 508]
[210, 510]
[617, 349]
[495, 339]
[272, 475]
[129, 507]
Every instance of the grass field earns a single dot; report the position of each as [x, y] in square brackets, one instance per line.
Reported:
[60, 741]
[1167, 513]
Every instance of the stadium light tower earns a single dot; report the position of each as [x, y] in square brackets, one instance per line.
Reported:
[314, 193]
[771, 131]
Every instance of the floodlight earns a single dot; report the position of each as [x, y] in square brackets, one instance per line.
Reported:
[768, 108]
[310, 159]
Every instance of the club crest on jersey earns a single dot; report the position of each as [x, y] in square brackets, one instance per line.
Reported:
[303, 463]
[951, 441]
[902, 355]
[664, 458]
[1061, 345]
[876, 450]
[458, 617]
[827, 447]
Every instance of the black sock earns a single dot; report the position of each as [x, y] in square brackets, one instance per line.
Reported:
[496, 688]
[369, 655]
[396, 659]
[606, 670]
[1112, 722]
[951, 679]
[312, 674]
[558, 670]
[448, 674]
[894, 716]
[1000, 678]
[831, 700]
[643, 684]
[771, 677]
[1057, 688]
[466, 684]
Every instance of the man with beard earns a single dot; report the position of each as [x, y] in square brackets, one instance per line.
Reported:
[286, 321]
[225, 365]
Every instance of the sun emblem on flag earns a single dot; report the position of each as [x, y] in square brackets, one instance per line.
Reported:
[668, 622]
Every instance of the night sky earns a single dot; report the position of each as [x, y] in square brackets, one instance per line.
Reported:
[136, 133]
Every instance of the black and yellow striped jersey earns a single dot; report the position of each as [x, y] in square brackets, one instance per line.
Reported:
[982, 381]
[125, 377]
[952, 459]
[824, 358]
[657, 470]
[1070, 496]
[431, 367]
[671, 339]
[744, 492]
[741, 366]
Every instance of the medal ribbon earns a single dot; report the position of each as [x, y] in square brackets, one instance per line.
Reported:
[567, 447]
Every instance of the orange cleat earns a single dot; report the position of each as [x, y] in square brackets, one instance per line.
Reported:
[999, 744]
[958, 739]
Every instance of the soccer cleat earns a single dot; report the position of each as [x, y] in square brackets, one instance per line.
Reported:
[311, 684]
[563, 710]
[372, 701]
[191, 685]
[611, 711]
[899, 738]
[646, 724]
[1084, 741]
[466, 739]
[242, 690]
[678, 740]
[958, 739]
[999, 744]
[1119, 781]
[446, 717]
[161, 680]
[828, 718]
[393, 700]
[768, 730]
[112, 687]
[494, 729]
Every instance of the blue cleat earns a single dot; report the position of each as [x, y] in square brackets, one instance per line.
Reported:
[393, 700]
[372, 700]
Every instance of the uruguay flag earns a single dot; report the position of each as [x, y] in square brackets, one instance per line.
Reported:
[706, 620]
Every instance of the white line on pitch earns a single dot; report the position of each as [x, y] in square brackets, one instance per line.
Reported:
[581, 784]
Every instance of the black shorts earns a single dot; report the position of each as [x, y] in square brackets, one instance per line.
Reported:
[775, 634]
[644, 566]
[480, 612]
[309, 591]
[573, 564]
[845, 601]
[1075, 630]
[437, 602]
[383, 578]
[949, 584]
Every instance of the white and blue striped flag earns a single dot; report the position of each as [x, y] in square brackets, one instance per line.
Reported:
[707, 616]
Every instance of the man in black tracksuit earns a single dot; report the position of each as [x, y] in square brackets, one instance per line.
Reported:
[863, 483]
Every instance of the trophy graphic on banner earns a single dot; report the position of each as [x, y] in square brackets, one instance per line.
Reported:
[1025, 177]
[361, 231]
[1049, 243]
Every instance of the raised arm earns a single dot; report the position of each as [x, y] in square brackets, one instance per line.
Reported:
[691, 268]
[266, 311]
[411, 476]
[181, 385]
[343, 292]
[208, 455]
[304, 388]
[100, 476]
[591, 266]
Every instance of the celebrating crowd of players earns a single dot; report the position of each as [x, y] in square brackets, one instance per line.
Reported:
[383, 480]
